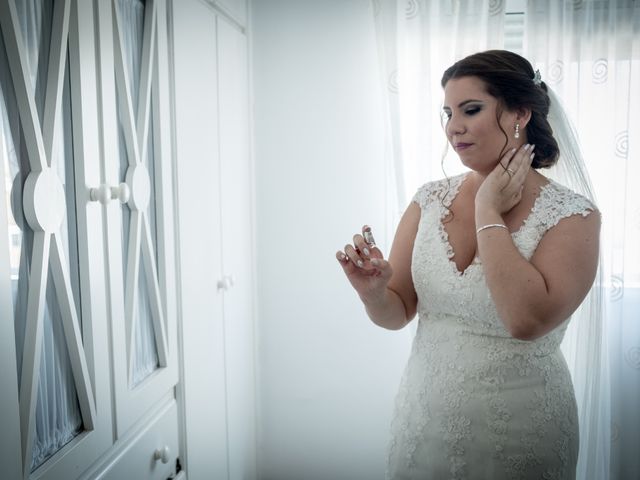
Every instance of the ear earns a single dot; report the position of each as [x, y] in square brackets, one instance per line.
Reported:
[523, 115]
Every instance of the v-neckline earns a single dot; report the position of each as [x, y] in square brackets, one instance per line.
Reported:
[444, 235]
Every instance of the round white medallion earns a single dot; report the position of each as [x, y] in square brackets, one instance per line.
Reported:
[140, 187]
[16, 202]
[43, 201]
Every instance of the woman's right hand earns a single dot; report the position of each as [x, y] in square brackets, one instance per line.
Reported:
[365, 267]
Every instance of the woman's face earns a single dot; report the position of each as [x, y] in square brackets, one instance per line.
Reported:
[471, 125]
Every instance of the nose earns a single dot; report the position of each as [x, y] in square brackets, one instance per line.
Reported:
[454, 126]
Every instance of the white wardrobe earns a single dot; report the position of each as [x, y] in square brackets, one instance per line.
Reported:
[126, 241]
[215, 218]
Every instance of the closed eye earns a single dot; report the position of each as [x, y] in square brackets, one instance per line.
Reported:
[472, 111]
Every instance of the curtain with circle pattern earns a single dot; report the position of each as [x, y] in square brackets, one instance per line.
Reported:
[588, 51]
[417, 41]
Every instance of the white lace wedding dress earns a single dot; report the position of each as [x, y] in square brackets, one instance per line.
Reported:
[475, 403]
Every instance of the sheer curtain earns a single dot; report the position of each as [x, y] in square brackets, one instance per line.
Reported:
[58, 417]
[417, 41]
[145, 355]
[589, 52]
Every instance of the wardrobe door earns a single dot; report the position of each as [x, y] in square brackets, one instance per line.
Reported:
[236, 9]
[56, 380]
[139, 220]
[236, 200]
[202, 282]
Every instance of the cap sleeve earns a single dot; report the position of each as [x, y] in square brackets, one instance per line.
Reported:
[443, 191]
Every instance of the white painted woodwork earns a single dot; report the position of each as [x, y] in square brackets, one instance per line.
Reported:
[10, 446]
[136, 432]
[216, 260]
[236, 9]
[197, 169]
[158, 267]
[43, 200]
[104, 193]
[44, 204]
[146, 452]
[237, 247]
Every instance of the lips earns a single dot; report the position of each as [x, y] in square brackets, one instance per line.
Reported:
[462, 146]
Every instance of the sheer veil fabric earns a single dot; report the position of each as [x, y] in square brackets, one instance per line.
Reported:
[585, 343]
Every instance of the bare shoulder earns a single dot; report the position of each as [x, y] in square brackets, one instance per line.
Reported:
[408, 225]
[400, 258]
[567, 255]
[402, 247]
[573, 233]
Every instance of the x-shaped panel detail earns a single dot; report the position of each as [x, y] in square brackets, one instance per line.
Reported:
[44, 208]
[136, 135]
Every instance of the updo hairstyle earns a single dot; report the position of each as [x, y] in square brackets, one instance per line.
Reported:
[509, 78]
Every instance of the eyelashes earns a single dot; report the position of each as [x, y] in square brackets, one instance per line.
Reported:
[446, 115]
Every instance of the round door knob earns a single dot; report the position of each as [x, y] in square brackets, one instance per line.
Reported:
[225, 283]
[162, 454]
[104, 193]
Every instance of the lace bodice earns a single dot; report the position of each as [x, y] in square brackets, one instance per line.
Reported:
[435, 274]
[475, 403]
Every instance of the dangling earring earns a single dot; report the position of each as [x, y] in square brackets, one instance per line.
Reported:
[517, 134]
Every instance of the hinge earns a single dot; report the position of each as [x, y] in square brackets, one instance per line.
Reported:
[177, 471]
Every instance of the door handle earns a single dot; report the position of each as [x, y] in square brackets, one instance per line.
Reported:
[104, 193]
[225, 283]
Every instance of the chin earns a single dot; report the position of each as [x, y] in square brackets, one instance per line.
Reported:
[469, 161]
[477, 166]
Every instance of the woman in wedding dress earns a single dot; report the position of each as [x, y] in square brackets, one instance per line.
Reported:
[493, 262]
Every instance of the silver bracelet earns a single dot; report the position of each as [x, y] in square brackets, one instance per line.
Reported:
[491, 225]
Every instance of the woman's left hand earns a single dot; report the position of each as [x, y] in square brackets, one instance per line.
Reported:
[502, 189]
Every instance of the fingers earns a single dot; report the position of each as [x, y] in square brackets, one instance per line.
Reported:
[514, 166]
[382, 267]
[342, 257]
[365, 245]
[356, 255]
[361, 246]
[505, 163]
[345, 262]
[362, 253]
[518, 170]
[519, 163]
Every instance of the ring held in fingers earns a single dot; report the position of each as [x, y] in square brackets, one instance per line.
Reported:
[368, 236]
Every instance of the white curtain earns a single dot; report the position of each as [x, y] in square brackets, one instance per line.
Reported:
[145, 355]
[589, 52]
[58, 417]
[417, 41]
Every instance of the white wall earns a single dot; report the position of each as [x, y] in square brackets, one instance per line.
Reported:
[327, 375]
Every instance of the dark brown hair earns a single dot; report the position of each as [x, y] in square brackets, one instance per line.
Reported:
[509, 78]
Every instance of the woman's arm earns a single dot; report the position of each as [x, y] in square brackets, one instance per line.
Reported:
[385, 287]
[533, 297]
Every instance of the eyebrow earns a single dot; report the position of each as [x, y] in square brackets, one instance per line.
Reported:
[462, 104]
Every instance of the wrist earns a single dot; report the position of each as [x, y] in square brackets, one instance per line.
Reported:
[484, 216]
